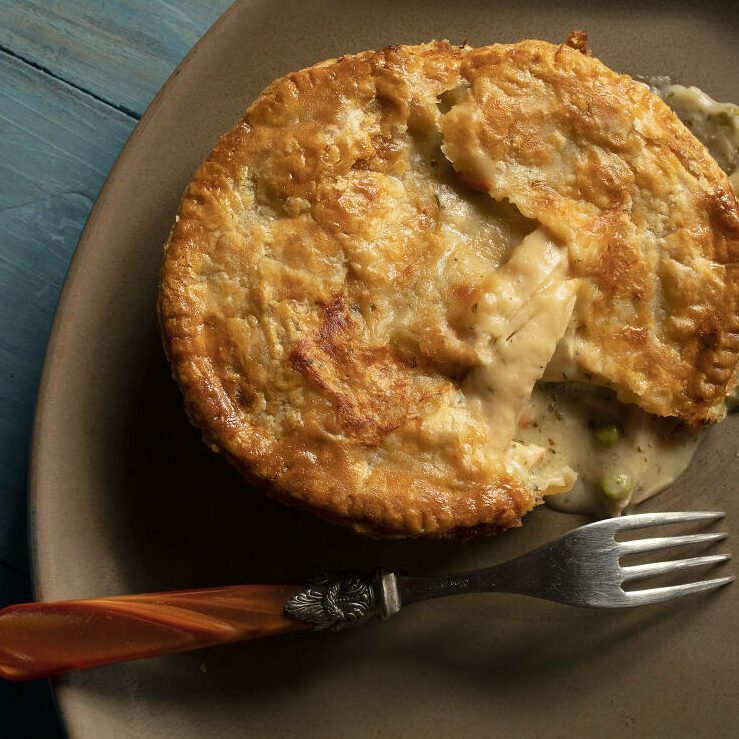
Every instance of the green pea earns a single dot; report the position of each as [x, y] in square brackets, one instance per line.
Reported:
[608, 435]
[616, 485]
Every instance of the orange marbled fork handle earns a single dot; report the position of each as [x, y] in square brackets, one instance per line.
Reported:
[44, 639]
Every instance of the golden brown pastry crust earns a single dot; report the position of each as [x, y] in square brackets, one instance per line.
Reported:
[317, 288]
[651, 221]
[279, 289]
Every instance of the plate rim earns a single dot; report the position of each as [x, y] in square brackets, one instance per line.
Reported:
[70, 291]
[64, 305]
[84, 244]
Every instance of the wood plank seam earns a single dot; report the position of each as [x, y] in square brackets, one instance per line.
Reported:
[23, 60]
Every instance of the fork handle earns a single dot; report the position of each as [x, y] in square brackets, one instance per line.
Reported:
[44, 639]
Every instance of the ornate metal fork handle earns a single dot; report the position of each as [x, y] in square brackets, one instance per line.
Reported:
[348, 599]
[351, 599]
[581, 568]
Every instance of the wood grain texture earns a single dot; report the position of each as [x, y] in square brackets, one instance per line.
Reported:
[57, 146]
[58, 143]
[119, 50]
[74, 78]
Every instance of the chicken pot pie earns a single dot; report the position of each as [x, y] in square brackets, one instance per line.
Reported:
[376, 274]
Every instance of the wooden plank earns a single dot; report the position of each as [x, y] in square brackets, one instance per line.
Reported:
[120, 50]
[58, 145]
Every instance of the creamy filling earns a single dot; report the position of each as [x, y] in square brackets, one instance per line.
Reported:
[526, 311]
[623, 455]
[714, 124]
[568, 434]
[553, 425]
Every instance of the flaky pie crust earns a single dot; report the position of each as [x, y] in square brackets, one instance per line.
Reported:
[316, 299]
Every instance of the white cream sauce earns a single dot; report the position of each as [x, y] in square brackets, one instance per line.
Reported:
[525, 313]
[714, 124]
[568, 418]
[529, 386]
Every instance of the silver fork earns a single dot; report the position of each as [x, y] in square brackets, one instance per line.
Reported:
[581, 568]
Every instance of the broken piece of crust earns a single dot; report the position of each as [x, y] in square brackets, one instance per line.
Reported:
[650, 221]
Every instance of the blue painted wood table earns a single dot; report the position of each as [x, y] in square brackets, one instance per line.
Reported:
[75, 76]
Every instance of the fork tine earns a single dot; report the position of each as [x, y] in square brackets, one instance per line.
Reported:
[655, 595]
[641, 520]
[639, 546]
[637, 572]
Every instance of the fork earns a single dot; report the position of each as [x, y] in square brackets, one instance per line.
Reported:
[581, 568]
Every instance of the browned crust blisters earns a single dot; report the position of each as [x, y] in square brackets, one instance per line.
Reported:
[312, 346]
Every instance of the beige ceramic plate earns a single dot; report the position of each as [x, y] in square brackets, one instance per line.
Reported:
[127, 499]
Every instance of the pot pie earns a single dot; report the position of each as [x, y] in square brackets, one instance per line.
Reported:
[394, 282]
